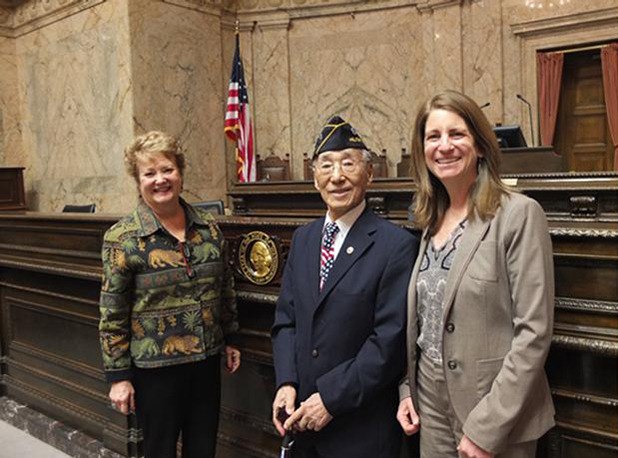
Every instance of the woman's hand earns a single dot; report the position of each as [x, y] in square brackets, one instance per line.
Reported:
[232, 359]
[468, 449]
[122, 396]
[407, 417]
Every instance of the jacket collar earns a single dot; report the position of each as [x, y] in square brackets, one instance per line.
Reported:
[470, 241]
[150, 223]
[358, 240]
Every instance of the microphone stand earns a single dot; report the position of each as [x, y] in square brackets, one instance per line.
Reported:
[519, 96]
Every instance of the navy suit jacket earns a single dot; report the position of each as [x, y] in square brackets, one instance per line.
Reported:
[347, 342]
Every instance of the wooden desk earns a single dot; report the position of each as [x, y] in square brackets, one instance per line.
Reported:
[540, 159]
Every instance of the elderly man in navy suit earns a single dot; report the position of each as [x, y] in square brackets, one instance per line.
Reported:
[339, 330]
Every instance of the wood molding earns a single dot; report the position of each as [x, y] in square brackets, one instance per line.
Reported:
[601, 347]
[585, 305]
[587, 398]
[66, 363]
[553, 25]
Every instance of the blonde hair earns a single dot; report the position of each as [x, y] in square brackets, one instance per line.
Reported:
[431, 199]
[153, 142]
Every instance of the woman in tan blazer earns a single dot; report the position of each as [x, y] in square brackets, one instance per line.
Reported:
[480, 300]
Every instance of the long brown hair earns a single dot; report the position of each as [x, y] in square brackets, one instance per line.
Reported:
[431, 199]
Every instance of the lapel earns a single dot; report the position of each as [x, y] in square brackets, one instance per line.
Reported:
[470, 240]
[417, 266]
[360, 238]
[312, 254]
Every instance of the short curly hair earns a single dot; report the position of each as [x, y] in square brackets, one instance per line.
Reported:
[153, 142]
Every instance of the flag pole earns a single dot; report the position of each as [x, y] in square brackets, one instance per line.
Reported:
[238, 126]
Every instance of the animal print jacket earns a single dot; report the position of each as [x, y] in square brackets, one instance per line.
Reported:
[161, 303]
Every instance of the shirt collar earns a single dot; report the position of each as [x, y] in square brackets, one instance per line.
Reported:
[150, 223]
[347, 220]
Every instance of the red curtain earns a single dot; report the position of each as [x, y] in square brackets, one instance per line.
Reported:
[609, 63]
[549, 66]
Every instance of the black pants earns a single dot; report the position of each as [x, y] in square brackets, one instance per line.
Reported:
[179, 399]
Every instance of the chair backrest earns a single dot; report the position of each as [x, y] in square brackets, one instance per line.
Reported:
[273, 168]
[90, 208]
[213, 206]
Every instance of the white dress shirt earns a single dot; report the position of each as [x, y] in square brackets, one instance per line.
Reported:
[345, 223]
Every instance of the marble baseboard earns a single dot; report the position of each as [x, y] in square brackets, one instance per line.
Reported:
[58, 435]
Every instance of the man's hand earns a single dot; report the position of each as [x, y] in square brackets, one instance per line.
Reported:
[311, 415]
[232, 359]
[122, 396]
[284, 399]
[468, 449]
[407, 417]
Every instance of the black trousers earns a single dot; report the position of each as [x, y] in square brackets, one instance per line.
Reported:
[174, 400]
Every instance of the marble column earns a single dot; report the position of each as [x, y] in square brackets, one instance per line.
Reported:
[176, 82]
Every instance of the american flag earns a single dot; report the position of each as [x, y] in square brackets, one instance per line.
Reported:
[238, 120]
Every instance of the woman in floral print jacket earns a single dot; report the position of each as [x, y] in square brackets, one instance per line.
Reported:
[168, 307]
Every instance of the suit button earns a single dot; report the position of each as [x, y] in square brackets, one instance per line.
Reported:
[450, 327]
[314, 353]
[452, 365]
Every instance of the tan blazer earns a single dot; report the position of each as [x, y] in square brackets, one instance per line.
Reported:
[498, 321]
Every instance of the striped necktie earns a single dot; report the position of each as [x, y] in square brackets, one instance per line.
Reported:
[327, 257]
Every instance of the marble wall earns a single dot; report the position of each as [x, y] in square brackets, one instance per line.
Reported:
[76, 109]
[177, 86]
[11, 150]
[88, 83]
[373, 62]
[80, 78]
[362, 67]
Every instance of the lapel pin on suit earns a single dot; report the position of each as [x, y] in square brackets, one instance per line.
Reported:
[349, 250]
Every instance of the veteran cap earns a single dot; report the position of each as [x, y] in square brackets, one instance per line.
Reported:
[337, 135]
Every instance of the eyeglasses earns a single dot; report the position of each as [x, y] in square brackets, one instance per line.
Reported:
[347, 166]
[185, 251]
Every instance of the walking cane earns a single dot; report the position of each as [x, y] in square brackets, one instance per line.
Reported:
[288, 439]
[286, 445]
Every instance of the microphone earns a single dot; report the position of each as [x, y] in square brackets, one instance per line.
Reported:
[520, 97]
[485, 105]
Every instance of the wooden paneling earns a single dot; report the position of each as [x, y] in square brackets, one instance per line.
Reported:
[582, 132]
[50, 272]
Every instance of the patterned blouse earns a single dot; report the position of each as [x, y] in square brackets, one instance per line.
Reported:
[430, 286]
[163, 302]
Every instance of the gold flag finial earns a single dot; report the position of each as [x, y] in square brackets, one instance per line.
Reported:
[237, 26]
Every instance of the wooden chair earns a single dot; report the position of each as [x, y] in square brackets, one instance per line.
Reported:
[378, 161]
[307, 169]
[273, 168]
[403, 168]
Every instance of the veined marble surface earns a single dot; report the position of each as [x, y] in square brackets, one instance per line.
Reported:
[76, 109]
[11, 151]
[363, 68]
[67, 439]
[177, 87]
